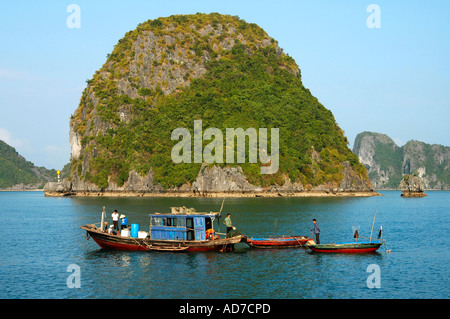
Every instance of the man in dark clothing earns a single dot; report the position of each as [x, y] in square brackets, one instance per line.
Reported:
[316, 231]
[228, 223]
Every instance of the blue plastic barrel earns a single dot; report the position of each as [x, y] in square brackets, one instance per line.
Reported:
[134, 230]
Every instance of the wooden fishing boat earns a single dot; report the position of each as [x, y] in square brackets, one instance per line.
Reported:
[279, 242]
[182, 230]
[349, 248]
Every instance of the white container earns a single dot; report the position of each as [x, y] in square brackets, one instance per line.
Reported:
[142, 234]
[125, 232]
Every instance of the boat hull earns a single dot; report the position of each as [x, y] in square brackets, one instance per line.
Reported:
[282, 242]
[348, 248]
[109, 241]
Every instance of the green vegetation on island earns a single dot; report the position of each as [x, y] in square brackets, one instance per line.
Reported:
[229, 73]
[18, 173]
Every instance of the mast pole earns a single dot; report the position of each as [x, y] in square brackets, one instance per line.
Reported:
[103, 218]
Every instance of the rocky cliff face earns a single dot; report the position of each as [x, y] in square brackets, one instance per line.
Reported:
[171, 71]
[213, 181]
[412, 186]
[387, 163]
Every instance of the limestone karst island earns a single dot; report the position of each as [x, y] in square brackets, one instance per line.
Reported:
[222, 71]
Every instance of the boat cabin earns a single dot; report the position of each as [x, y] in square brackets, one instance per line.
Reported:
[181, 224]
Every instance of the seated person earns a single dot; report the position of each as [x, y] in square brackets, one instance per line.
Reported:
[210, 234]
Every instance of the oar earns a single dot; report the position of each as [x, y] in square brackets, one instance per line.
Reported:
[294, 237]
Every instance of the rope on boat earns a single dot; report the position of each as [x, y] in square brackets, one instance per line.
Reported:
[295, 238]
[137, 242]
[224, 247]
[385, 246]
[149, 247]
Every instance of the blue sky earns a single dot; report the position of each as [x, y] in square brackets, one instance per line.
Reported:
[393, 80]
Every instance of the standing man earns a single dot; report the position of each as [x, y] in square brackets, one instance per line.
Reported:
[316, 231]
[228, 223]
[115, 218]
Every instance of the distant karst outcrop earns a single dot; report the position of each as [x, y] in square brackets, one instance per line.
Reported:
[387, 163]
[16, 173]
[412, 186]
[219, 69]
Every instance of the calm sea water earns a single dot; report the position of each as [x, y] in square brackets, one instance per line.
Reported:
[41, 242]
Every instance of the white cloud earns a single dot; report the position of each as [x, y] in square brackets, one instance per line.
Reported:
[9, 74]
[52, 149]
[55, 156]
[7, 137]
[49, 156]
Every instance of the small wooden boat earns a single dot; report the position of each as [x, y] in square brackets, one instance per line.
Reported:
[348, 248]
[280, 242]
